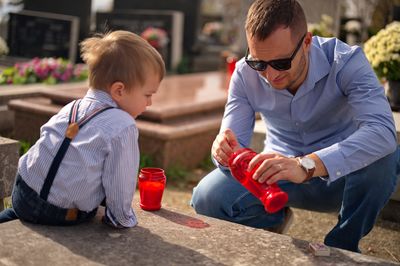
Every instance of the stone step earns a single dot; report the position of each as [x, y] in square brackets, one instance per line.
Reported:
[178, 96]
[181, 142]
[165, 237]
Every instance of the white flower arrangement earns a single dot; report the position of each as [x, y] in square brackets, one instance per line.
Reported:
[383, 52]
[352, 26]
[324, 28]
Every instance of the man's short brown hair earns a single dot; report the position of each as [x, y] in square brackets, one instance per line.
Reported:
[120, 56]
[265, 16]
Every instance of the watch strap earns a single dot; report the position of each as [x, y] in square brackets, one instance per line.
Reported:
[309, 172]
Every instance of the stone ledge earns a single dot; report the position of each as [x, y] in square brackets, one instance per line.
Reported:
[9, 92]
[165, 237]
[9, 155]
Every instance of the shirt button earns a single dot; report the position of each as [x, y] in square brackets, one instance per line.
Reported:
[297, 124]
[338, 173]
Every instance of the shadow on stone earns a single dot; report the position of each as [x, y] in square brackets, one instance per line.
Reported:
[182, 219]
[101, 244]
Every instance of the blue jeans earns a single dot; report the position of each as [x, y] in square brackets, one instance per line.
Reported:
[28, 206]
[358, 198]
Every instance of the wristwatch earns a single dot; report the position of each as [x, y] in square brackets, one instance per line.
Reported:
[308, 165]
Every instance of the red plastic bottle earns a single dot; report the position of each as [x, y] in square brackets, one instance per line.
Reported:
[272, 197]
[151, 187]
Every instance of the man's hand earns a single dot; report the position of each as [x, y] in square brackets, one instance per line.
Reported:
[223, 146]
[274, 167]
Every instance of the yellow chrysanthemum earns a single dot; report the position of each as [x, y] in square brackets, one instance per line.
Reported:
[383, 52]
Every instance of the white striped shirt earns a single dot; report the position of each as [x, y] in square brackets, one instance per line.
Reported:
[101, 161]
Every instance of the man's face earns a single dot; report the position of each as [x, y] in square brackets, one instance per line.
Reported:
[279, 45]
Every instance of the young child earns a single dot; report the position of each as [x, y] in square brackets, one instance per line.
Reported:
[89, 151]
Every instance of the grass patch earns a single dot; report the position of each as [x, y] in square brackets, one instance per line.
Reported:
[7, 202]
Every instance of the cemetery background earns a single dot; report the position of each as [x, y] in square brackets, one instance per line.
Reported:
[215, 37]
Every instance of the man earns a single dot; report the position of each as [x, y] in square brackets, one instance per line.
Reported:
[331, 138]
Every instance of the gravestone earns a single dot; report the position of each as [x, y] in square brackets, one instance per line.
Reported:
[77, 8]
[190, 8]
[138, 20]
[39, 34]
[177, 130]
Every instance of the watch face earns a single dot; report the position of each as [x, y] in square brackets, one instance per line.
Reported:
[307, 163]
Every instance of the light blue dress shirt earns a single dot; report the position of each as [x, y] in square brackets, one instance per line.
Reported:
[340, 112]
[101, 161]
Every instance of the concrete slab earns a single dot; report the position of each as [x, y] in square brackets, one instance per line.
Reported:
[165, 237]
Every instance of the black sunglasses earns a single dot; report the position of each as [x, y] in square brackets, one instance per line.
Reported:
[278, 64]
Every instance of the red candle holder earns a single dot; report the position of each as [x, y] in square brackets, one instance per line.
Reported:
[151, 187]
[271, 196]
[230, 68]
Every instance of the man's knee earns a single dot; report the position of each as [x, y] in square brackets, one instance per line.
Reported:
[206, 194]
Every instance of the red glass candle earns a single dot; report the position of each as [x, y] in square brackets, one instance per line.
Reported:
[151, 187]
[231, 64]
[230, 68]
[272, 197]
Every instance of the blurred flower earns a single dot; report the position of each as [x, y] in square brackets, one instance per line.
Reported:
[212, 32]
[155, 36]
[383, 52]
[323, 28]
[45, 70]
[353, 26]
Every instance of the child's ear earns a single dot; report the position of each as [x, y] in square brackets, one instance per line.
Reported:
[117, 90]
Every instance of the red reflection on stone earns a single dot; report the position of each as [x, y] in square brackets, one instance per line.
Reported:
[182, 219]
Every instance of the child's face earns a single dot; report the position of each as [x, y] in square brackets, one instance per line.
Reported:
[135, 100]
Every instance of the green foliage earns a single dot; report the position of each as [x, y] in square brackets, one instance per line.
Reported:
[146, 161]
[176, 174]
[7, 203]
[207, 164]
[24, 147]
[183, 67]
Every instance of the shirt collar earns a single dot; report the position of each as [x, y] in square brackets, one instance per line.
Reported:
[101, 96]
[318, 68]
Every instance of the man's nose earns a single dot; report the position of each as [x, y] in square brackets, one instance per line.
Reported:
[271, 73]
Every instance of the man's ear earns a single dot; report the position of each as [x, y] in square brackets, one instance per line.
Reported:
[117, 90]
[308, 38]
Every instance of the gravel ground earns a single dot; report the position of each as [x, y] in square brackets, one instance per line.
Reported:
[383, 241]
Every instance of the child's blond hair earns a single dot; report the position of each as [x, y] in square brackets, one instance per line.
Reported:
[120, 56]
